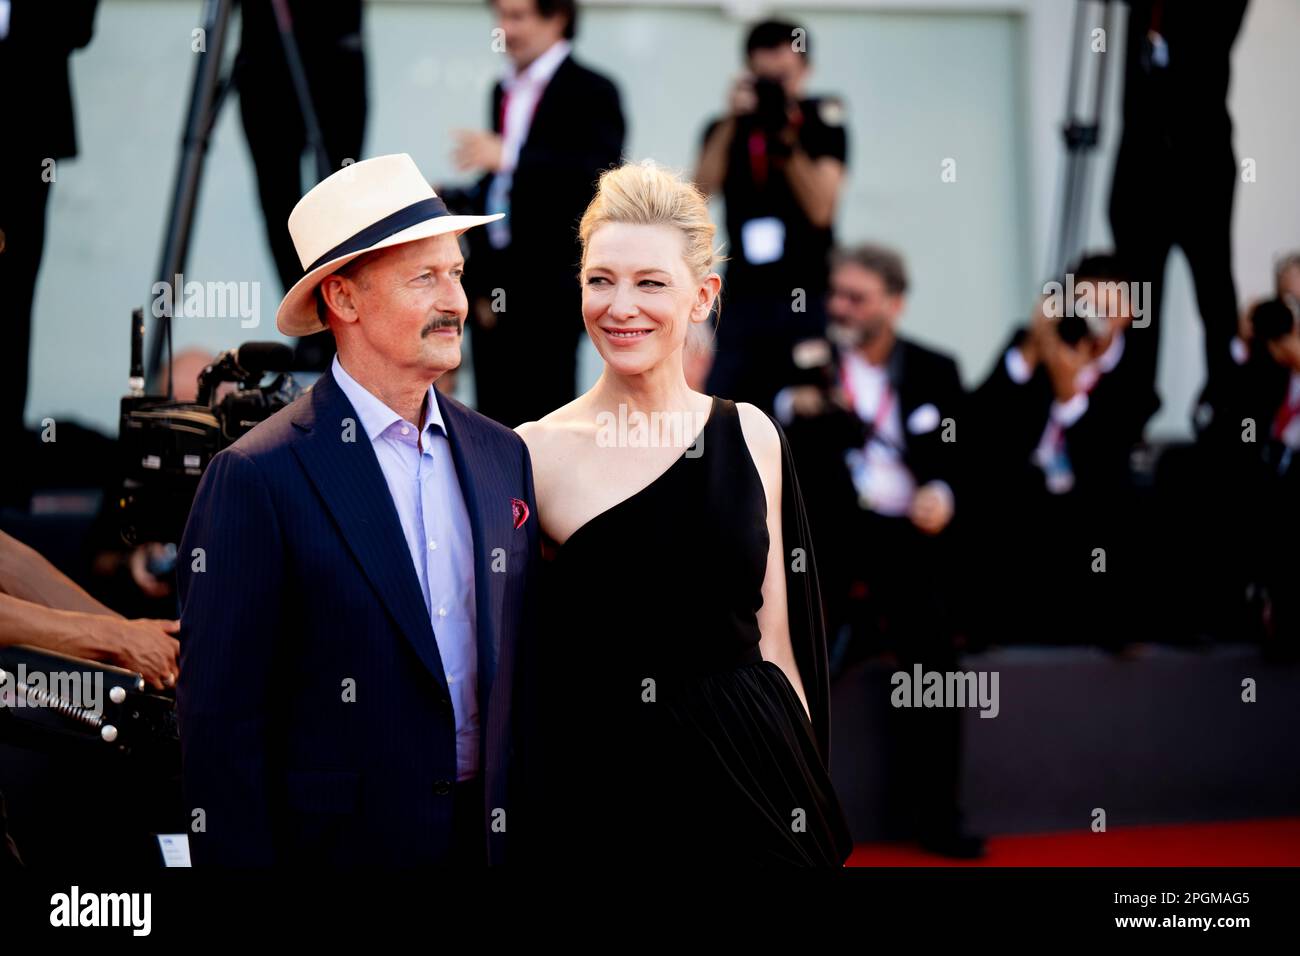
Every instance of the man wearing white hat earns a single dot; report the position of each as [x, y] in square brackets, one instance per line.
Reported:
[356, 567]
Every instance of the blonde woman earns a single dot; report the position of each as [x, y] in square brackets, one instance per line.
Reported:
[681, 691]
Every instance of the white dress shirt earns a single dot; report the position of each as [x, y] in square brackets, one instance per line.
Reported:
[884, 483]
[422, 481]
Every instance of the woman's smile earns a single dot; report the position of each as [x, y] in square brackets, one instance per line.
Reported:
[626, 335]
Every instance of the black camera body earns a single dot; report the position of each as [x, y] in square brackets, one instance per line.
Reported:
[771, 112]
[166, 445]
[1271, 320]
[1072, 329]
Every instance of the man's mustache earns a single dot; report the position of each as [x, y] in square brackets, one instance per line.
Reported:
[441, 322]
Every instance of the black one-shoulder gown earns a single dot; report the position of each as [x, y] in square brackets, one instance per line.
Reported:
[657, 732]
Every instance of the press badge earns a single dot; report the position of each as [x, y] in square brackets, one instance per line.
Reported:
[175, 849]
[763, 240]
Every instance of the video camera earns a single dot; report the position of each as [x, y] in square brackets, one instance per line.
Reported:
[166, 444]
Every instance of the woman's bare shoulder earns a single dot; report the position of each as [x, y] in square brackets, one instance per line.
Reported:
[764, 443]
[556, 432]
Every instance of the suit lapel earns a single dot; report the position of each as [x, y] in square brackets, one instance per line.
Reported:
[349, 479]
[498, 94]
[900, 382]
[553, 97]
[491, 525]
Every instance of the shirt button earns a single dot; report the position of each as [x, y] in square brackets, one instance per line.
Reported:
[442, 612]
[406, 430]
[433, 545]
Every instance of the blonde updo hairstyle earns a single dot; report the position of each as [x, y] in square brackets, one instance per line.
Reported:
[645, 194]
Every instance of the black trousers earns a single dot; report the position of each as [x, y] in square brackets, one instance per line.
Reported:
[469, 826]
[277, 139]
[1161, 199]
[24, 195]
[889, 589]
[906, 609]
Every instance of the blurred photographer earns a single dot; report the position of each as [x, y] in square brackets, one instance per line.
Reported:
[1054, 427]
[778, 158]
[1250, 455]
[1286, 285]
[872, 426]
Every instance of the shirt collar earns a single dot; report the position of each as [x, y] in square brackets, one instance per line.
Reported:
[541, 69]
[859, 364]
[376, 417]
[886, 367]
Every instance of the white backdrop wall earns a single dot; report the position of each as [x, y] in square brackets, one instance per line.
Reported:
[978, 82]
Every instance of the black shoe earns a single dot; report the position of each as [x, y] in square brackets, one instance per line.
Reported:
[954, 844]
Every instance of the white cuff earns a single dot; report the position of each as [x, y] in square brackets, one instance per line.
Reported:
[1240, 350]
[783, 405]
[1017, 367]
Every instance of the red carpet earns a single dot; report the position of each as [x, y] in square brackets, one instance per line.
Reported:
[1245, 843]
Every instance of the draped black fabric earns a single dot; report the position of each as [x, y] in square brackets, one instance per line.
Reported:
[665, 735]
[803, 602]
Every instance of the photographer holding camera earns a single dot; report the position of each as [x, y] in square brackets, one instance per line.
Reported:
[872, 426]
[868, 424]
[778, 159]
[1251, 454]
[1055, 424]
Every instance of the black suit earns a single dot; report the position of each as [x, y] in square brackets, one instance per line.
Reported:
[525, 365]
[1010, 418]
[39, 125]
[1043, 543]
[1244, 484]
[307, 584]
[887, 585]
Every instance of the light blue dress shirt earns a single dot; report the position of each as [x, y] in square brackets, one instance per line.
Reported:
[422, 480]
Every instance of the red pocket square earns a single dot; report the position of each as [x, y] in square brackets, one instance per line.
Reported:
[520, 511]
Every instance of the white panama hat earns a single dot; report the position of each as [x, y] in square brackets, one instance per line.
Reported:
[373, 204]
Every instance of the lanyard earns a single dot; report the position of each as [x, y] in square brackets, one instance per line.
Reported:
[882, 409]
[758, 161]
[758, 157]
[1055, 431]
[1288, 410]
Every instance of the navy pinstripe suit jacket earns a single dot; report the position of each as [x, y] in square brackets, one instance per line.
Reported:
[316, 725]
